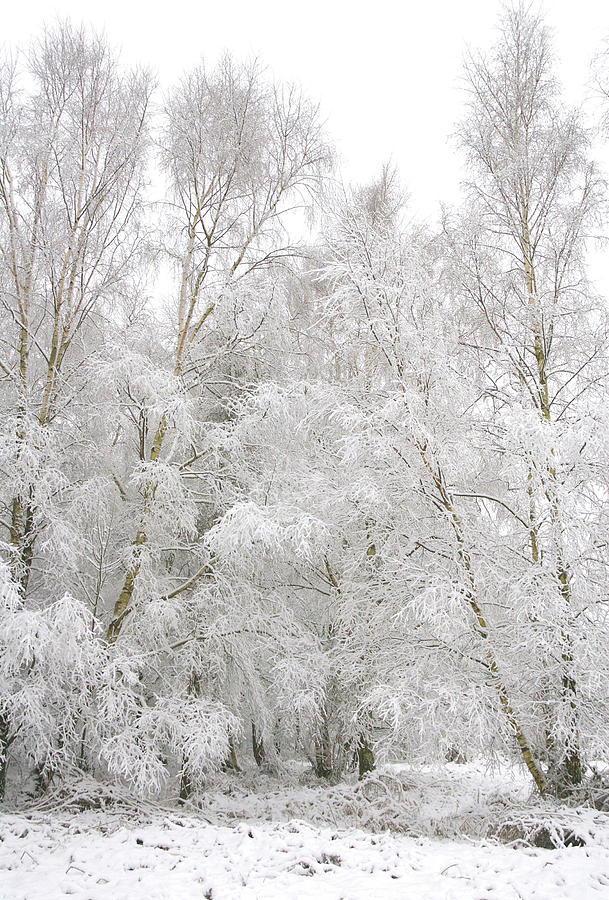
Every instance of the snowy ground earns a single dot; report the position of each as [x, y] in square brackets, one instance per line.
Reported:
[301, 843]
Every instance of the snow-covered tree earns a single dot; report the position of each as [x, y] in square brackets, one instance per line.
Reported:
[238, 152]
[538, 336]
[350, 502]
[73, 138]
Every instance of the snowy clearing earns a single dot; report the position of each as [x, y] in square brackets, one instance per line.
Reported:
[274, 843]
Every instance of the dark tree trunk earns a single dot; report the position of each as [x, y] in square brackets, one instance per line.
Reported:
[365, 758]
[257, 746]
[565, 767]
[23, 536]
[4, 743]
[573, 768]
[323, 753]
[231, 761]
[185, 783]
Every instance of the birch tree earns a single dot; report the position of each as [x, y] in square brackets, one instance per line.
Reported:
[72, 150]
[73, 139]
[389, 289]
[540, 338]
[238, 153]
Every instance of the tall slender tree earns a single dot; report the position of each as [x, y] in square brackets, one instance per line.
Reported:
[540, 339]
[72, 148]
[73, 141]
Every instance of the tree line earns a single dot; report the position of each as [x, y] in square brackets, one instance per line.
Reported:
[343, 498]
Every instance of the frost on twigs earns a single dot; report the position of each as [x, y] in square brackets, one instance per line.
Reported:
[50, 661]
[191, 729]
[344, 502]
[271, 531]
[70, 703]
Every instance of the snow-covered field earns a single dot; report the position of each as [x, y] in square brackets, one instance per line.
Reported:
[302, 843]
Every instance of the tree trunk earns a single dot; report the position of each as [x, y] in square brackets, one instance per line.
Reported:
[257, 746]
[471, 597]
[185, 782]
[22, 539]
[4, 744]
[565, 765]
[231, 761]
[570, 769]
[365, 758]
[323, 753]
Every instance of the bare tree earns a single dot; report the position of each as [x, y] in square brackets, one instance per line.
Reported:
[388, 282]
[239, 154]
[72, 149]
[539, 342]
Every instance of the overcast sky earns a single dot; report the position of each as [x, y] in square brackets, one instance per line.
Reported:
[385, 73]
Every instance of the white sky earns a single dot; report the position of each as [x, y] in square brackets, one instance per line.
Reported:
[385, 73]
